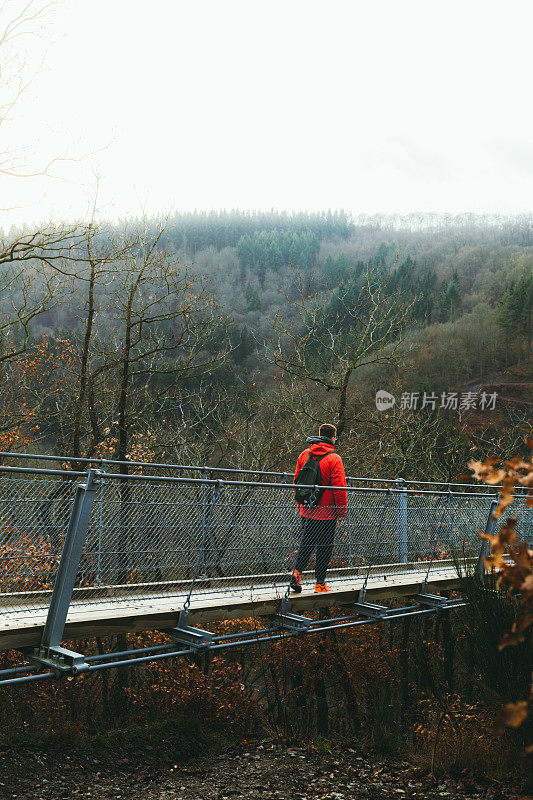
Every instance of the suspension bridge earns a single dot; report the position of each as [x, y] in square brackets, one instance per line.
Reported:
[95, 548]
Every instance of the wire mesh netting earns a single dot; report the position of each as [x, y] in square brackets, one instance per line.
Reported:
[159, 538]
[169, 537]
[34, 515]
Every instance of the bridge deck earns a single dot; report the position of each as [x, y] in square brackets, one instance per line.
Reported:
[132, 610]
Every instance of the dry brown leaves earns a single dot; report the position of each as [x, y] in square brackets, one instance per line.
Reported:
[512, 715]
[512, 560]
[515, 472]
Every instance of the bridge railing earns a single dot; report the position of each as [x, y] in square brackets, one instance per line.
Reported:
[221, 473]
[171, 537]
[35, 508]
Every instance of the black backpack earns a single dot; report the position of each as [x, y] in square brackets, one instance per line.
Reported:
[308, 477]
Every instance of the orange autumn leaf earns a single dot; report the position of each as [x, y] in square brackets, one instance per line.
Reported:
[512, 715]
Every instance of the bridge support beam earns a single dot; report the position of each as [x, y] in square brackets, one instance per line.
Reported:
[371, 610]
[489, 530]
[185, 634]
[50, 653]
[292, 622]
[431, 600]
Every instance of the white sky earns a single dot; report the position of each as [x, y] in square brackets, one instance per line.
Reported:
[367, 105]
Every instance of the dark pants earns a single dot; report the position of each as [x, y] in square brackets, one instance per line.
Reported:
[319, 533]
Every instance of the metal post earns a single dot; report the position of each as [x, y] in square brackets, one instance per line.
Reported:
[69, 563]
[449, 520]
[402, 521]
[285, 538]
[205, 475]
[489, 529]
[349, 524]
[100, 528]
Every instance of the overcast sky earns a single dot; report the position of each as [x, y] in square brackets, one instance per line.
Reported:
[371, 106]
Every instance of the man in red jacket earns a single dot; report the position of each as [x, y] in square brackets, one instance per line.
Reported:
[318, 523]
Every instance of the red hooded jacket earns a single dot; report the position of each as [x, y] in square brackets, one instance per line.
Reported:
[333, 502]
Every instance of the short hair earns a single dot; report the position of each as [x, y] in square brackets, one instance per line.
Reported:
[327, 430]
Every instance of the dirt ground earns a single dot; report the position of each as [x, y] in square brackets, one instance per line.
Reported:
[261, 771]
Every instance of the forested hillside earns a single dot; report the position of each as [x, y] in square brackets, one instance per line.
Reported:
[226, 337]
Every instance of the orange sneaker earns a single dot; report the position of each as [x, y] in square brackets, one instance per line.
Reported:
[322, 587]
[296, 582]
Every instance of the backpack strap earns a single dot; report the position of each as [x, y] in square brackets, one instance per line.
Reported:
[318, 458]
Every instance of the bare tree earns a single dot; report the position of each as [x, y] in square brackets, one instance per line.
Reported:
[252, 432]
[334, 332]
[102, 254]
[157, 330]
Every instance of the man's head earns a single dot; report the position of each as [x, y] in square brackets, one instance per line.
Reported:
[330, 431]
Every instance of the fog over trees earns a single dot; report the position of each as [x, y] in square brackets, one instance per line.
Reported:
[176, 338]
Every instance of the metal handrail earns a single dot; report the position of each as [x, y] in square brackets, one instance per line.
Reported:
[259, 484]
[69, 473]
[225, 470]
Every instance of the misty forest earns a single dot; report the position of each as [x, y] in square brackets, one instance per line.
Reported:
[226, 338]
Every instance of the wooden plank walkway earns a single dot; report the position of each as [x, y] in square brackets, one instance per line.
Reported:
[136, 610]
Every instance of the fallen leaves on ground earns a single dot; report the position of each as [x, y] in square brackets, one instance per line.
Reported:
[259, 771]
